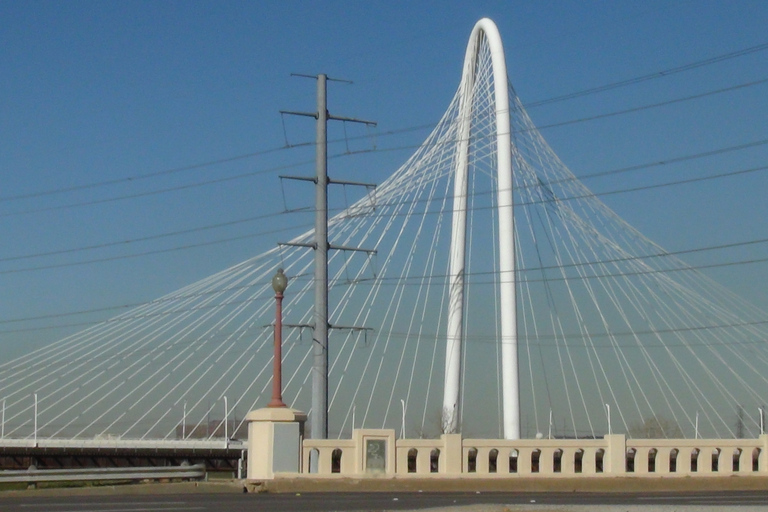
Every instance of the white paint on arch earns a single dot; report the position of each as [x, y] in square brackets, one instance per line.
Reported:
[508, 308]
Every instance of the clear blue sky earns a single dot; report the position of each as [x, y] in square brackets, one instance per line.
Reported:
[100, 92]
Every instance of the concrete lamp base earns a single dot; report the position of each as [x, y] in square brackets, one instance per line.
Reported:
[274, 441]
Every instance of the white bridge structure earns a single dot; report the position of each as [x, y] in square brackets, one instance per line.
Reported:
[504, 300]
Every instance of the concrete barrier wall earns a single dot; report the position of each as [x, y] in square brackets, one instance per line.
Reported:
[378, 453]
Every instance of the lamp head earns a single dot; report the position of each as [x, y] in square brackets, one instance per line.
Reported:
[279, 282]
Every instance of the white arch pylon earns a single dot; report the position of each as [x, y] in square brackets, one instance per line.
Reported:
[507, 293]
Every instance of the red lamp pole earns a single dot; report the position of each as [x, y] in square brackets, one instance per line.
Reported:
[279, 283]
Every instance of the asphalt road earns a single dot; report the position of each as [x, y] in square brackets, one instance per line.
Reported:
[311, 502]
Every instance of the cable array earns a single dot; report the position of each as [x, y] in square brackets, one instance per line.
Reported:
[605, 316]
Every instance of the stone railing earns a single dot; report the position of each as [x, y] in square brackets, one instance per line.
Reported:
[276, 447]
[379, 453]
[691, 457]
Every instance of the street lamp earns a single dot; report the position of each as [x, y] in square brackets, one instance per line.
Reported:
[279, 284]
[402, 426]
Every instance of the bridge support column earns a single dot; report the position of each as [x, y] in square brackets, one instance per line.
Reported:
[274, 442]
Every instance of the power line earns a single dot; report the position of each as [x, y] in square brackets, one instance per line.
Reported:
[139, 177]
[593, 175]
[657, 163]
[563, 337]
[145, 238]
[419, 278]
[576, 197]
[650, 106]
[155, 192]
[224, 240]
[594, 90]
[622, 170]
[667, 161]
[573, 339]
[651, 76]
[288, 166]
[154, 302]
[666, 184]
[146, 253]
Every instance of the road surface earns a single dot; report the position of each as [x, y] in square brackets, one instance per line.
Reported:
[321, 502]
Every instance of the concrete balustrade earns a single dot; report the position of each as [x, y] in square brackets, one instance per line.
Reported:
[416, 456]
[552, 458]
[691, 457]
[377, 453]
[333, 456]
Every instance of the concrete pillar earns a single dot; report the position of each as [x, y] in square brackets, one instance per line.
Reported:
[704, 464]
[684, 461]
[662, 461]
[589, 461]
[452, 455]
[274, 441]
[547, 461]
[762, 461]
[422, 461]
[641, 460]
[481, 463]
[725, 461]
[567, 462]
[614, 461]
[524, 461]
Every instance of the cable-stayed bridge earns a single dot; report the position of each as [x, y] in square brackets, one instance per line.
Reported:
[504, 299]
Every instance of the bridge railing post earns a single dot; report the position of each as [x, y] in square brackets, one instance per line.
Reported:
[762, 458]
[452, 460]
[615, 460]
[274, 442]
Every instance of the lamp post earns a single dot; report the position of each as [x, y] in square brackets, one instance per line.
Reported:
[279, 284]
[35, 420]
[696, 426]
[226, 423]
[402, 426]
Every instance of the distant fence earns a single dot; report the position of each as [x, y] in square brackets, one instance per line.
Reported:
[378, 452]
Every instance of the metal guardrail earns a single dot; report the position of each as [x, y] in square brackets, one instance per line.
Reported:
[196, 471]
[165, 444]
